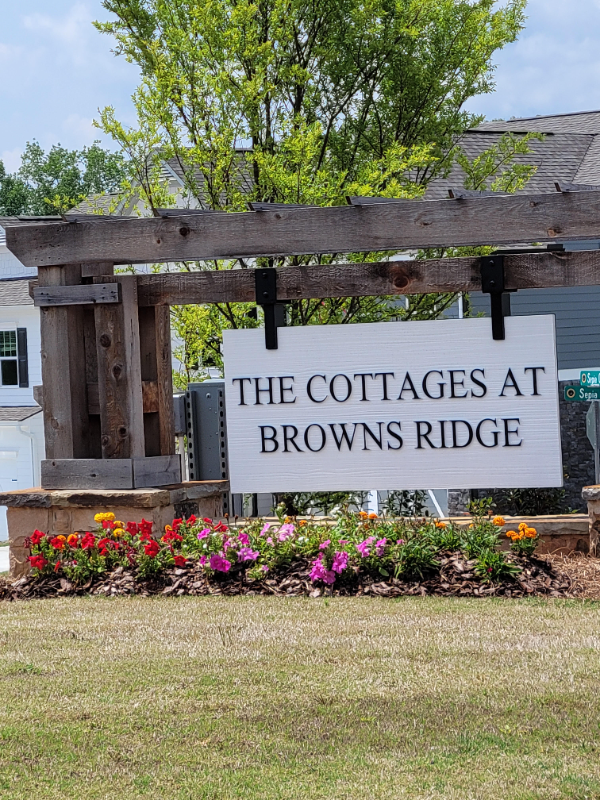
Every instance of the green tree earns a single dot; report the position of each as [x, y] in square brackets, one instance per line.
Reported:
[56, 181]
[299, 101]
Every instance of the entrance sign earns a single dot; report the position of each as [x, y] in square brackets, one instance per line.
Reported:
[389, 405]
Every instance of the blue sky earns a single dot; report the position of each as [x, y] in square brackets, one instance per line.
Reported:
[57, 70]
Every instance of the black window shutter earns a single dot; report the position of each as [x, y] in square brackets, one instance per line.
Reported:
[23, 360]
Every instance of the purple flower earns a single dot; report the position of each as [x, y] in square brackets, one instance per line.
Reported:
[202, 560]
[320, 573]
[340, 562]
[203, 534]
[219, 564]
[380, 547]
[269, 540]
[244, 539]
[343, 541]
[325, 544]
[247, 554]
[364, 548]
[264, 568]
[400, 541]
[266, 527]
[285, 532]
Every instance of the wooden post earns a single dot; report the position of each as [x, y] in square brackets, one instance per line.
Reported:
[119, 374]
[63, 370]
[155, 346]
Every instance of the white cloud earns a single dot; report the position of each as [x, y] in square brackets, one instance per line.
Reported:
[73, 31]
[11, 159]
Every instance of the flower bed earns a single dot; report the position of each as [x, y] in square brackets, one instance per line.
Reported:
[358, 554]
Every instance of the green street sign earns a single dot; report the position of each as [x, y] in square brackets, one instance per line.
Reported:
[590, 377]
[582, 393]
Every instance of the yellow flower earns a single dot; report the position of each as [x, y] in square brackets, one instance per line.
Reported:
[118, 532]
[106, 516]
[499, 521]
[119, 524]
[61, 538]
[523, 526]
[439, 524]
[72, 539]
[168, 528]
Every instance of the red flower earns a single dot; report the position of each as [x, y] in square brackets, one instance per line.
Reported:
[107, 525]
[179, 561]
[39, 562]
[220, 528]
[57, 566]
[145, 526]
[103, 543]
[151, 549]
[132, 528]
[36, 537]
[192, 520]
[88, 541]
[103, 551]
[171, 536]
[206, 519]
[58, 543]
[177, 523]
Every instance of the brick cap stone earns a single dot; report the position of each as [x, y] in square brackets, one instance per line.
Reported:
[113, 498]
[591, 493]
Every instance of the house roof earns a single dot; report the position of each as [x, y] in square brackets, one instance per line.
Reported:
[569, 152]
[15, 292]
[17, 413]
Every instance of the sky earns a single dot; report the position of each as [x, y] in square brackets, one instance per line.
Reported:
[57, 71]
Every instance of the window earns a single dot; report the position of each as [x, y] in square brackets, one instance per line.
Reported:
[14, 370]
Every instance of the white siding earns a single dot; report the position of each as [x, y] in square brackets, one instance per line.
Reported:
[11, 318]
[21, 452]
[11, 267]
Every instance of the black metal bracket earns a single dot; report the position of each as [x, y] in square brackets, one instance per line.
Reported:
[265, 282]
[492, 283]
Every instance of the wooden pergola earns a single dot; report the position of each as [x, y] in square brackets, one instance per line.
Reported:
[106, 340]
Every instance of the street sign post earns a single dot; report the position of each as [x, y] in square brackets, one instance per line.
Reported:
[592, 426]
[581, 394]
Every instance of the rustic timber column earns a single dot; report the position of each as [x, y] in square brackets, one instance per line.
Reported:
[157, 377]
[63, 370]
[119, 373]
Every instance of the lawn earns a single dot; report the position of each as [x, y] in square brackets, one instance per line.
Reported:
[256, 697]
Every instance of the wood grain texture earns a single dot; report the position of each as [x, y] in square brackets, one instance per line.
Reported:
[157, 471]
[97, 268]
[76, 295]
[119, 374]
[343, 229]
[164, 369]
[149, 395]
[87, 473]
[527, 271]
[63, 371]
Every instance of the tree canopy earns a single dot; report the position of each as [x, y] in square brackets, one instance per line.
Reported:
[302, 101]
[53, 182]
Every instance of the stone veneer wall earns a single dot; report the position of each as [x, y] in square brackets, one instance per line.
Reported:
[577, 452]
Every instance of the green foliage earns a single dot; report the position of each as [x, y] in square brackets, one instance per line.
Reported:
[498, 164]
[53, 182]
[417, 558]
[405, 504]
[301, 504]
[531, 502]
[295, 102]
[492, 566]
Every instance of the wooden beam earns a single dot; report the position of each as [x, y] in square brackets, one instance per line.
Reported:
[119, 375]
[297, 231]
[149, 396]
[66, 418]
[115, 473]
[77, 295]
[157, 471]
[526, 271]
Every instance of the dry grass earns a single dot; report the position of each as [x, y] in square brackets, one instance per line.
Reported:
[254, 697]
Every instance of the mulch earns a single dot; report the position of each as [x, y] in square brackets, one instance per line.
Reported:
[545, 576]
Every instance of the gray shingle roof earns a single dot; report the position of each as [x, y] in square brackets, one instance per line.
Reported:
[17, 413]
[15, 292]
[580, 123]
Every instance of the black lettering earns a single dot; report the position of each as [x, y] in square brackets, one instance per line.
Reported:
[265, 439]
[323, 438]
[478, 383]
[384, 376]
[363, 376]
[309, 388]
[241, 380]
[260, 391]
[534, 372]
[443, 434]
[409, 388]
[455, 443]
[366, 429]
[344, 437]
[454, 383]
[283, 389]
[348, 388]
[495, 434]
[290, 439]
[424, 435]
[441, 385]
[395, 435]
[513, 384]
[508, 433]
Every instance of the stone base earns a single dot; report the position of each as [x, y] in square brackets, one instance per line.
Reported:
[561, 534]
[64, 512]
[591, 495]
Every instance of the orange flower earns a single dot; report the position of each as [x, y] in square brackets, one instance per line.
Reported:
[439, 524]
[372, 516]
[512, 534]
[72, 539]
[523, 526]
[302, 522]
[499, 521]
[531, 533]
[363, 514]
[168, 528]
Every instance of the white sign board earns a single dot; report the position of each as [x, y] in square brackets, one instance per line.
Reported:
[394, 405]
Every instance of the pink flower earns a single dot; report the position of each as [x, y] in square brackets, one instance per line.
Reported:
[269, 540]
[400, 541]
[266, 527]
[364, 548]
[247, 554]
[219, 564]
[325, 544]
[202, 560]
[203, 534]
[340, 562]
[320, 573]
[343, 541]
[243, 537]
[380, 547]
[264, 568]
[285, 532]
